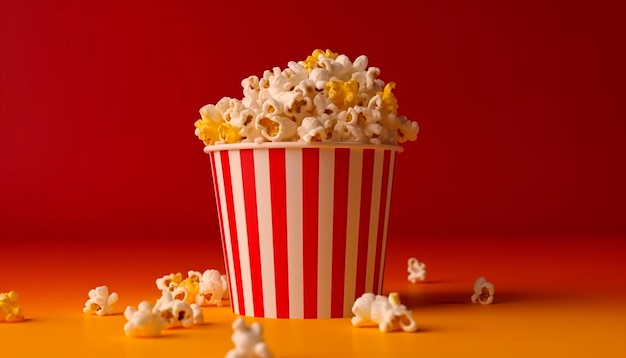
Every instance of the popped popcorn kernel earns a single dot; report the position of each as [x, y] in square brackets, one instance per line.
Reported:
[386, 312]
[207, 128]
[143, 322]
[248, 341]
[100, 302]
[10, 311]
[213, 288]
[390, 102]
[343, 94]
[483, 291]
[312, 60]
[177, 313]
[228, 133]
[416, 270]
[169, 282]
[274, 106]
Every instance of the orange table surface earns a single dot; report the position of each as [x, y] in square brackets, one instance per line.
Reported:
[554, 297]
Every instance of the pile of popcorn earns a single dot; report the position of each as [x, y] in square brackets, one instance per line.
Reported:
[325, 98]
[179, 305]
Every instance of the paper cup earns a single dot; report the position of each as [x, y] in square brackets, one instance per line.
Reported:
[303, 226]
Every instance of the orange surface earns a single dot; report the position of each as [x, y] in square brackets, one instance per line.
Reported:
[555, 297]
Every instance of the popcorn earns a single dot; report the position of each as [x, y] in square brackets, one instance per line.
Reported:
[483, 291]
[177, 313]
[143, 322]
[283, 104]
[100, 302]
[169, 282]
[10, 311]
[417, 270]
[248, 341]
[213, 287]
[188, 290]
[386, 312]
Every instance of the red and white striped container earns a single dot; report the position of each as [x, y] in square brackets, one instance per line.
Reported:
[304, 226]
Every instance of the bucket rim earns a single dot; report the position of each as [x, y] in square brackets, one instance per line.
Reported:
[298, 145]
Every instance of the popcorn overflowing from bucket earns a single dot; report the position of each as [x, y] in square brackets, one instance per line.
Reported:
[325, 98]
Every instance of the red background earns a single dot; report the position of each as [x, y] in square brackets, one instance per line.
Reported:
[520, 104]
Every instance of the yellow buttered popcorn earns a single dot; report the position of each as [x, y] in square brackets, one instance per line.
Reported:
[343, 94]
[10, 311]
[390, 102]
[207, 128]
[311, 61]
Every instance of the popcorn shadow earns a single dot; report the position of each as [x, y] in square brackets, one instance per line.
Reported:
[443, 298]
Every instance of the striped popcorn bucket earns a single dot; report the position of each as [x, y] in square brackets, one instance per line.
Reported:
[303, 226]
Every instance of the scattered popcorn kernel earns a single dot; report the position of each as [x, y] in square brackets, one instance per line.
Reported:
[248, 341]
[417, 270]
[169, 282]
[213, 287]
[100, 302]
[177, 313]
[483, 291]
[10, 311]
[143, 322]
[386, 312]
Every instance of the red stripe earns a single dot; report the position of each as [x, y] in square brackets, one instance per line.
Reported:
[221, 223]
[249, 195]
[340, 218]
[364, 220]
[278, 184]
[233, 230]
[381, 220]
[310, 205]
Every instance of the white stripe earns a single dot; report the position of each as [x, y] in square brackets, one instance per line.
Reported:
[242, 231]
[293, 164]
[266, 241]
[387, 204]
[379, 157]
[325, 231]
[352, 228]
[232, 277]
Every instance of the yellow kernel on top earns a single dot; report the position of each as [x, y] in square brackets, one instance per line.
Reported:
[390, 102]
[311, 61]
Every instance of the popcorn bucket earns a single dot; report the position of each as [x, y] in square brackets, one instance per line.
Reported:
[303, 225]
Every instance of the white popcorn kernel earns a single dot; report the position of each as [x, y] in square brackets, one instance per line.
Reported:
[272, 106]
[275, 128]
[223, 105]
[319, 76]
[248, 341]
[372, 82]
[408, 130]
[100, 302]
[386, 312]
[176, 313]
[347, 128]
[483, 291]
[416, 270]
[306, 88]
[197, 316]
[298, 108]
[169, 282]
[213, 287]
[250, 87]
[316, 129]
[143, 322]
[360, 63]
